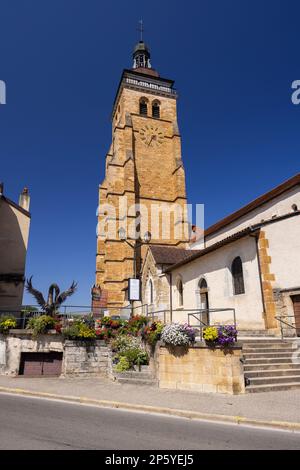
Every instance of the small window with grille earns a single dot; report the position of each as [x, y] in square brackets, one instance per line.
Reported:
[143, 107]
[155, 110]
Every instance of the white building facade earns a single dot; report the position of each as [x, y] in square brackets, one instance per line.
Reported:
[248, 265]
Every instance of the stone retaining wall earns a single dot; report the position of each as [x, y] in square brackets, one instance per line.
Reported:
[200, 368]
[85, 358]
[80, 358]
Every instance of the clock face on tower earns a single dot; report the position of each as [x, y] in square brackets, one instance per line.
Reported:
[151, 135]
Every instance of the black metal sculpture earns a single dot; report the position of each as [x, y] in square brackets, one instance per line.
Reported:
[54, 301]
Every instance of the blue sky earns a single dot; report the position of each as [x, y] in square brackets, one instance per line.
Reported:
[233, 63]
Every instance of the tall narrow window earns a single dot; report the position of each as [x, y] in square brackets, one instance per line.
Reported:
[155, 109]
[143, 107]
[204, 305]
[237, 276]
[150, 291]
[180, 293]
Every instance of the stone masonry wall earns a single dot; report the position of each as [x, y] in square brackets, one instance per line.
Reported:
[80, 358]
[201, 369]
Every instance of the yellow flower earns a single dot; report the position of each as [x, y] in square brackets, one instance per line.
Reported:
[210, 333]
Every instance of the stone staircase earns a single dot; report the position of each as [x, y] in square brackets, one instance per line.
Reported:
[142, 377]
[270, 364]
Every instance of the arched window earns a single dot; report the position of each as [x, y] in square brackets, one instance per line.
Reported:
[202, 284]
[143, 107]
[150, 291]
[156, 109]
[204, 304]
[237, 276]
[180, 292]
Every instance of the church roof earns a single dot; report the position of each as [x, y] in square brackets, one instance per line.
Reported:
[277, 191]
[170, 255]
[15, 205]
[195, 254]
[251, 230]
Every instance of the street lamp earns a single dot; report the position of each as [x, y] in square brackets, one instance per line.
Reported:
[134, 284]
[147, 237]
[122, 234]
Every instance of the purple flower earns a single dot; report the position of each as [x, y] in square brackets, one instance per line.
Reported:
[227, 334]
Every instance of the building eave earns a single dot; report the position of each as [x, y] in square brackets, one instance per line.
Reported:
[15, 205]
[277, 191]
[225, 241]
[251, 230]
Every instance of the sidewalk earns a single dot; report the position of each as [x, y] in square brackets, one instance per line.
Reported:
[269, 406]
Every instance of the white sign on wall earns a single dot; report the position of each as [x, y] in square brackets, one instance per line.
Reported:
[134, 289]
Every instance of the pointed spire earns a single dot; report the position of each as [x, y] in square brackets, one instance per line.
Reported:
[141, 29]
[141, 53]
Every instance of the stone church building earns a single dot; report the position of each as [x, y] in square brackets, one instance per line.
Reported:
[144, 179]
[247, 264]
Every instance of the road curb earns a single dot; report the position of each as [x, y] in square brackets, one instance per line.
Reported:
[217, 418]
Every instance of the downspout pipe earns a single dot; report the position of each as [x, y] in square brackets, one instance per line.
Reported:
[255, 234]
[170, 295]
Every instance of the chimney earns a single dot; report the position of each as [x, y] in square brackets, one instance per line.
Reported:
[1, 189]
[24, 199]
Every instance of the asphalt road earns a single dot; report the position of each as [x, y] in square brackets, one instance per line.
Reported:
[30, 423]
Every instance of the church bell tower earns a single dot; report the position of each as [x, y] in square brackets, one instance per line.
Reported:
[144, 186]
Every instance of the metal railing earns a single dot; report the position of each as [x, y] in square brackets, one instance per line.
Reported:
[286, 325]
[160, 315]
[196, 318]
[26, 312]
[202, 314]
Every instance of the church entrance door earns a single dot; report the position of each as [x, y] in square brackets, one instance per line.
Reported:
[296, 304]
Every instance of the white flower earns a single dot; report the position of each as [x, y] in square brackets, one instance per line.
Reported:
[174, 334]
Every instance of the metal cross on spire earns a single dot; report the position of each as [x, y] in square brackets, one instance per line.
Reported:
[141, 29]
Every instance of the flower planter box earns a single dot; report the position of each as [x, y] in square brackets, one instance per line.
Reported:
[202, 368]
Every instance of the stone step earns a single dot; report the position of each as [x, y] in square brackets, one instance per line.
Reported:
[269, 346]
[271, 366]
[133, 375]
[258, 333]
[272, 387]
[270, 360]
[271, 373]
[258, 339]
[268, 350]
[276, 379]
[270, 355]
[136, 381]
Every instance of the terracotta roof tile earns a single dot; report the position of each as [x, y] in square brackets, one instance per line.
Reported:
[170, 254]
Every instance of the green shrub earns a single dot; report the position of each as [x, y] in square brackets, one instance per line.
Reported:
[136, 356]
[122, 365]
[6, 323]
[86, 332]
[41, 324]
[122, 343]
[79, 330]
[136, 323]
[71, 332]
[152, 333]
